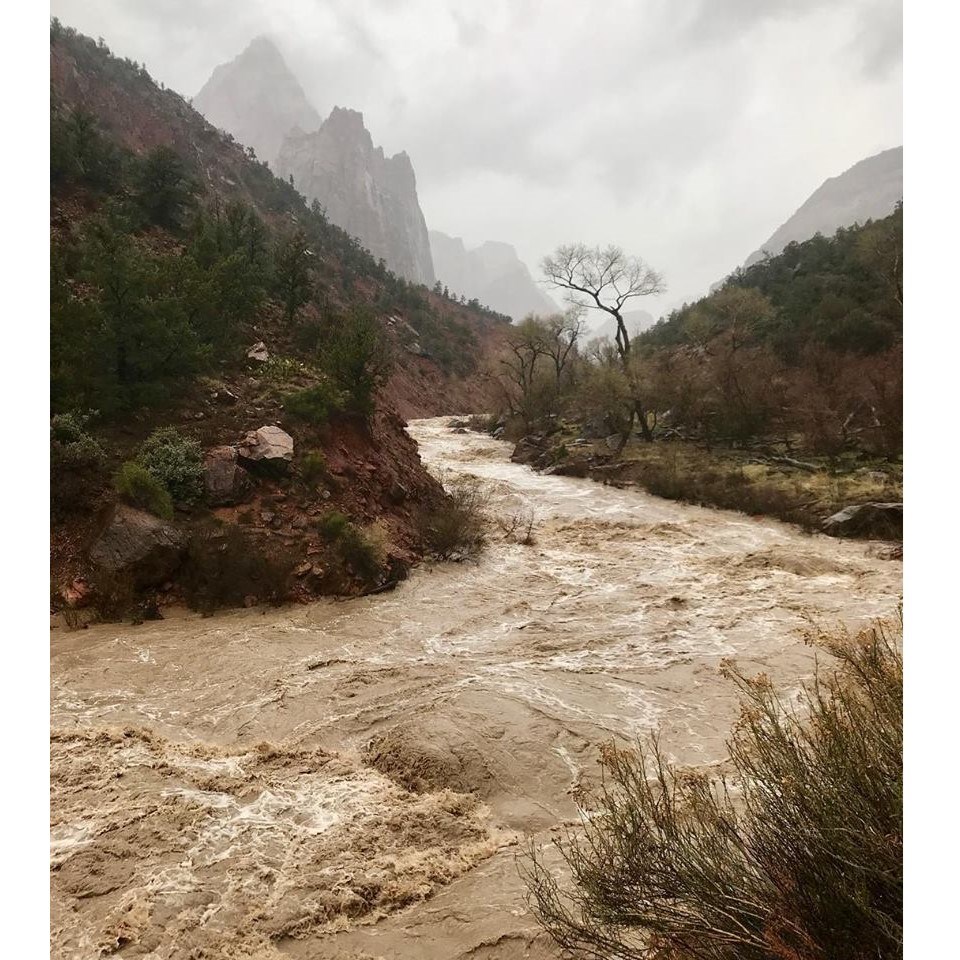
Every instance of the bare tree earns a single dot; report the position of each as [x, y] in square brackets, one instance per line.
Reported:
[563, 332]
[526, 343]
[605, 278]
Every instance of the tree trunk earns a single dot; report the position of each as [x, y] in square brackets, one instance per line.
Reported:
[645, 430]
[624, 436]
[623, 347]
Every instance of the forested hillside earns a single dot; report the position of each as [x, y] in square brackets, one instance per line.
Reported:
[844, 292]
[779, 393]
[195, 299]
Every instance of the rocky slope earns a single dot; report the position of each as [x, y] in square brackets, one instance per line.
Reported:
[364, 467]
[257, 99]
[869, 190]
[371, 196]
[492, 273]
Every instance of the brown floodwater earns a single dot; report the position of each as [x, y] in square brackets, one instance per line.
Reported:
[355, 779]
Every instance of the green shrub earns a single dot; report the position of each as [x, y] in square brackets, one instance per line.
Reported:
[76, 458]
[176, 461]
[358, 359]
[313, 467]
[279, 369]
[314, 404]
[137, 486]
[804, 861]
[332, 525]
[361, 553]
[162, 188]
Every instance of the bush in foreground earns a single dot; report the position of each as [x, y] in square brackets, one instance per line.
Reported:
[798, 857]
[76, 459]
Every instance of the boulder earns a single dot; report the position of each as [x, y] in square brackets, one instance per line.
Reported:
[569, 468]
[881, 520]
[77, 593]
[138, 544]
[224, 480]
[267, 447]
[528, 449]
[259, 352]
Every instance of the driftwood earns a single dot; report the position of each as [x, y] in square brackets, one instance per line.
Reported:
[609, 467]
[798, 464]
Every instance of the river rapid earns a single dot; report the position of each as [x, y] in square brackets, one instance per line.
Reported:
[355, 779]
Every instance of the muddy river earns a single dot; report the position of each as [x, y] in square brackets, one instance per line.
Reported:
[355, 779]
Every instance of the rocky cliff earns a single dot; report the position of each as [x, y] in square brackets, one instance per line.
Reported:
[492, 273]
[257, 99]
[869, 190]
[371, 196]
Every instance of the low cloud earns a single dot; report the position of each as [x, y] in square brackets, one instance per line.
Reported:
[687, 133]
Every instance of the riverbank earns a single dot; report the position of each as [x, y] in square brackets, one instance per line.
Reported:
[355, 778]
[758, 483]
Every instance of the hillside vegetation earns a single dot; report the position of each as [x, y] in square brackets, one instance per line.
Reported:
[779, 393]
[191, 290]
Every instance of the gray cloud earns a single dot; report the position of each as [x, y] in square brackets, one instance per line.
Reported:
[685, 132]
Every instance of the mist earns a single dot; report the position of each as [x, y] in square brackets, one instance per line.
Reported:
[685, 136]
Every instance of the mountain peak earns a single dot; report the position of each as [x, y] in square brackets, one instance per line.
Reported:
[868, 190]
[256, 98]
[262, 46]
[492, 272]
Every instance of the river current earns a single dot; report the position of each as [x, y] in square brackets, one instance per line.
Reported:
[355, 779]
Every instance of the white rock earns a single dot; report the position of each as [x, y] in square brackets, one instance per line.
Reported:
[267, 445]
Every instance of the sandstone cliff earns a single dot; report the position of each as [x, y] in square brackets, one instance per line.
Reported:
[371, 196]
[257, 99]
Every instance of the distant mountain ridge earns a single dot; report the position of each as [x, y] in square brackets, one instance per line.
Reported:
[869, 190]
[492, 273]
[257, 99]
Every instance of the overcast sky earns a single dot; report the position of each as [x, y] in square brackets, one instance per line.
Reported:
[684, 130]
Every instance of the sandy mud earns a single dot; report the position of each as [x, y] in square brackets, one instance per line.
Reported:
[354, 779]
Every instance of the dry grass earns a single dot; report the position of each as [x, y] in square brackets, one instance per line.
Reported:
[734, 480]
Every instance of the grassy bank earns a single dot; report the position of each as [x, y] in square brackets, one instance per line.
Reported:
[753, 482]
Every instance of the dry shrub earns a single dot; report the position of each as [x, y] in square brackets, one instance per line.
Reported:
[114, 596]
[483, 423]
[798, 857]
[518, 526]
[456, 527]
[227, 565]
[362, 551]
[728, 488]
